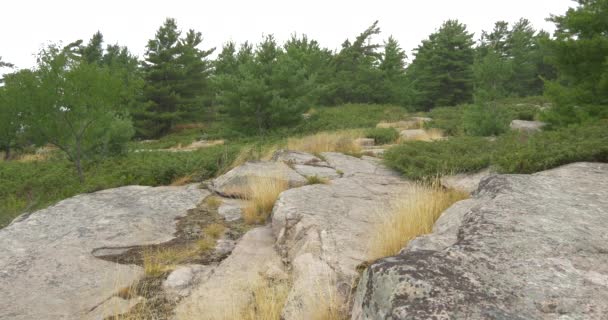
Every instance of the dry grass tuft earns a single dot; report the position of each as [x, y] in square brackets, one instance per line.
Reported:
[268, 300]
[205, 244]
[213, 202]
[316, 180]
[261, 194]
[214, 230]
[181, 181]
[341, 141]
[412, 215]
[160, 260]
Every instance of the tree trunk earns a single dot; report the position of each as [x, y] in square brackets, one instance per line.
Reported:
[78, 163]
[7, 153]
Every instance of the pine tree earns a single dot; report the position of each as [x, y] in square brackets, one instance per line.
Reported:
[580, 55]
[176, 80]
[441, 72]
[392, 66]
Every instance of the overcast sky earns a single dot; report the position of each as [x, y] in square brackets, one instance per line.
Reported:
[25, 25]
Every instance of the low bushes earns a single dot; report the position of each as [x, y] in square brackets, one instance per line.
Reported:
[511, 153]
[382, 135]
[32, 185]
[418, 159]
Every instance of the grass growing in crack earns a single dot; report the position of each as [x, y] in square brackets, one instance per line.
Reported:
[261, 195]
[268, 300]
[316, 180]
[411, 215]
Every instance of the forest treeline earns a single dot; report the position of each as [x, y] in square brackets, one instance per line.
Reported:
[89, 98]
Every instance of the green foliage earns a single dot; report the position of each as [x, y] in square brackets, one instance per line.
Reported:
[442, 73]
[484, 120]
[512, 153]
[520, 153]
[176, 80]
[32, 185]
[579, 53]
[419, 160]
[14, 108]
[272, 86]
[350, 116]
[76, 106]
[448, 119]
[356, 78]
[382, 135]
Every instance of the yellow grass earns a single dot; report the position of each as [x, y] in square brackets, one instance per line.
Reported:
[158, 261]
[429, 135]
[268, 300]
[205, 244]
[213, 202]
[181, 181]
[412, 215]
[214, 230]
[261, 194]
[316, 180]
[341, 141]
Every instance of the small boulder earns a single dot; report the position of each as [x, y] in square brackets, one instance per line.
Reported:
[465, 181]
[412, 134]
[322, 172]
[234, 183]
[231, 209]
[181, 280]
[365, 142]
[297, 157]
[527, 126]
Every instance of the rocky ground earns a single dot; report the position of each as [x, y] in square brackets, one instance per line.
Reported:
[524, 247]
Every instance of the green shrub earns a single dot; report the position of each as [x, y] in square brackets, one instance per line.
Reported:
[382, 135]
[419, 160]
[484, 120]
[448, 119]
[350, 116]
[521, 153]
[514, 152]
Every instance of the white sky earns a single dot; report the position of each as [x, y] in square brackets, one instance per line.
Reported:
[25, 25]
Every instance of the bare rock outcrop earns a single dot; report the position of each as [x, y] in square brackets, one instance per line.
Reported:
[523, 247]
[47, 270]
[323, 231]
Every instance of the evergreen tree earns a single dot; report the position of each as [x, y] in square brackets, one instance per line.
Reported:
[580, 55]
[176, 79]
[356, 74]
[392, 66]
[272, 86]
[441, 72]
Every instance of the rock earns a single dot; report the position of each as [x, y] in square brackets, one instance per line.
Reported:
[234, 182]
[111, 307]
[413, 134]
[322, 172]
[524, 247]
[323, 231]
[465, 181]
[224, 246]
[47, 270]
[296, 157]
[181, 280]
[365, 142]
[527, 126]
[227, 289]
[231, 209]
[421, 119]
